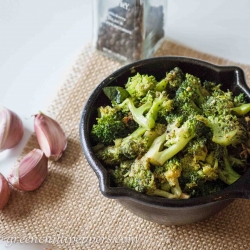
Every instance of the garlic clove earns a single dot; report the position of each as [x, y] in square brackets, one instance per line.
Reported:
[4, 192]
[11, 129]
[50, 136]
[31, 172]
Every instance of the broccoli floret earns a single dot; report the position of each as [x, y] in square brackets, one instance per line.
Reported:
[135, 144]
[173, 141]
[239, 100]
[196, 173]
[135, 174]
[207, 188]
[172, 81]
[110, 155]
[130, 123]
[191, 94]
[109, 126]
[161, 106]
[225, 163]
[158, 130]
[198, 170]
[165, 107]
[211, 86]
[219, 103]
[226, 129]
[169, 173]
[138, 113]
[197, 148]
[226, 172]
[139, 85]
[138, 143]
[146, 114]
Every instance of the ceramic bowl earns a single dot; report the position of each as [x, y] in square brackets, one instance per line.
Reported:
[157, 209]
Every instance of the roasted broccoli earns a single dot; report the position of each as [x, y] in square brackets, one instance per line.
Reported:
[135, 174]
[139, 85]
[109, 125]
[175, 138]
[171, 82]
[191, 95]
[168, 175]
[226, 129]
[146, 114]
[225, 163]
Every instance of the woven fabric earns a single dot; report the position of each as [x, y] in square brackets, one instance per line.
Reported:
[69, 211]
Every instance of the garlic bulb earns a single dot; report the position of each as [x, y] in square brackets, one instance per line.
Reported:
[31, 172]
[11, 129]
[50, 136]
[4, 192]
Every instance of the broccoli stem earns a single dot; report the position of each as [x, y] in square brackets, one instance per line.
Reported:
[161, 193]
[176, 189]
[157, 157]
[138, 132]
[162, 85]
[138, 113]
[228, 174]
[156, 106]
[242, 109]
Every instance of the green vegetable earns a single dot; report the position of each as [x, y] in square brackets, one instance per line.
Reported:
[175, 138]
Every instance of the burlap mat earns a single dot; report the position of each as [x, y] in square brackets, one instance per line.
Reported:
[69, 211]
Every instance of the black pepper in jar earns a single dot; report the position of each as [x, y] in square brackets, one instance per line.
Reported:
[123, 31]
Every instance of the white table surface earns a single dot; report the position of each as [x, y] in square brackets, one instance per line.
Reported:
[40, 39]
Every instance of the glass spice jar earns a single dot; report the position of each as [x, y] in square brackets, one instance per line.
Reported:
[129, 30]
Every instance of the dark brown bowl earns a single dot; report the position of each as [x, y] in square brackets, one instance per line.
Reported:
[156, 209]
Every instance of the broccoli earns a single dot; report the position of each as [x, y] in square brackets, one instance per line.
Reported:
[211, 86]
[207, 188]
[165, 107]
[138, 113]
[139, 85]
[219, 103]
[226, 173]
[191, 94]
[109, 126]
[110, 155]
[135, 174]
[195, 173]
[241, 110]
[135, 144]
[239, 100]
[226, 129]
[197, 147]
[172, 81]
[225, 163]
[169, 173]
[146, 114]
[161, 107]
[174, 140]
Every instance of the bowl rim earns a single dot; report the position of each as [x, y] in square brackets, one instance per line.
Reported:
[239, 189]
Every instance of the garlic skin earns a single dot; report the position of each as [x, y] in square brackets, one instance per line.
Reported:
[31, 171]
[50, 136]
[4, 192]
[11, 129]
